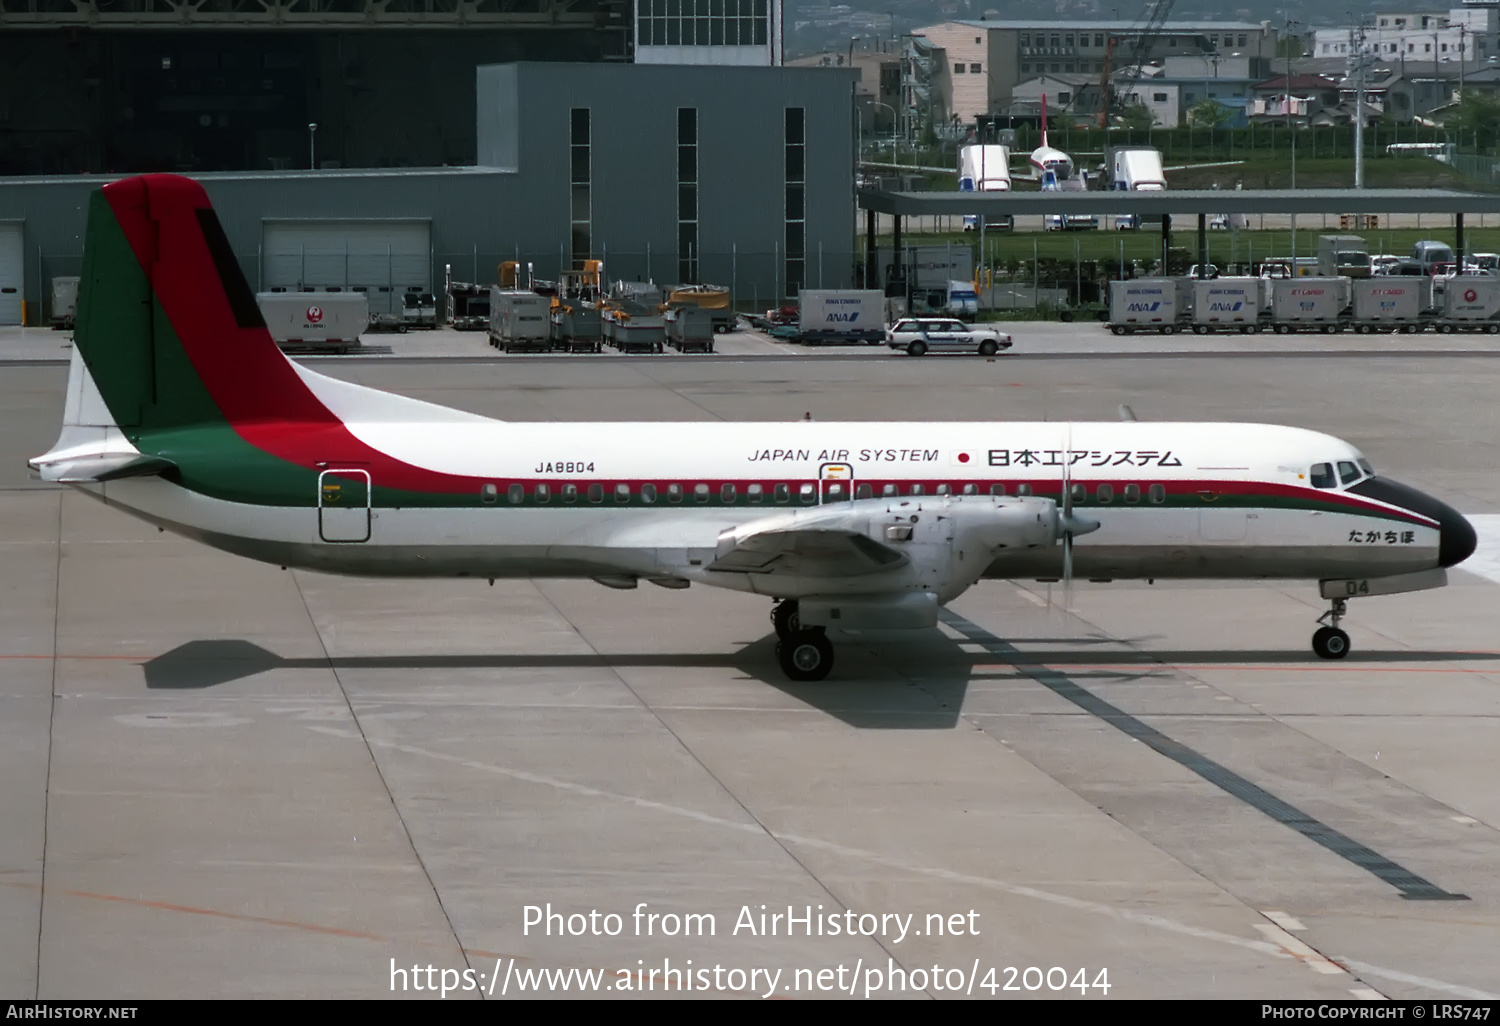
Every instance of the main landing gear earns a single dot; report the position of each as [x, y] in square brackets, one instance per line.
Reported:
[1329, 642]
[804, 655]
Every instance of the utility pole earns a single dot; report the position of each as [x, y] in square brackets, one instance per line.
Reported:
[1359, 62]
[1290, 127]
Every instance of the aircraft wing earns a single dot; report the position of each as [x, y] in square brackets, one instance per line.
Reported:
[823, 541]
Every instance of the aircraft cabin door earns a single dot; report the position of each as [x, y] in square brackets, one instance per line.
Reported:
[835, 483]
[344, 505]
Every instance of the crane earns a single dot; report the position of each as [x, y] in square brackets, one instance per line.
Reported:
[1140, 50]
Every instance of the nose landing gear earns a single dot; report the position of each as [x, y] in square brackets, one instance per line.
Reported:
[1329, 642]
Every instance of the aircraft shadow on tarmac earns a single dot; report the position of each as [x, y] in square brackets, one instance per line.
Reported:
[917, 683]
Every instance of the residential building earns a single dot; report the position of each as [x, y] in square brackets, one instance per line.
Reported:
[877, 90]
[1470, 33]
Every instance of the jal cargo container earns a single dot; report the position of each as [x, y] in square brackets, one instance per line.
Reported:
[1471, 298]
[1146, 304]
[1306, 300]
[1393, 298]
[841, 315]
[519, 320]
[1226, 301]
[315, 318]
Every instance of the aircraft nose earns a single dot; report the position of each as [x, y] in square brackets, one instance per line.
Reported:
[1456, 538]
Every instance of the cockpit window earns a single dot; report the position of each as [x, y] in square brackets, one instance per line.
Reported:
[1364, 465]
[1321, 475]
[1348, 472]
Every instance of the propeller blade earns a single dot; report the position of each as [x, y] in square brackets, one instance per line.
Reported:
[1067, 571]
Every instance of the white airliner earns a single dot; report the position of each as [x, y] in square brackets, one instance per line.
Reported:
[182, 411]
[1045, 158]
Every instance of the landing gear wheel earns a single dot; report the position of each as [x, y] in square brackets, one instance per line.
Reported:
[987, 348]
[806, 655]
[784, 618]
[1330, 643]
[917, 349]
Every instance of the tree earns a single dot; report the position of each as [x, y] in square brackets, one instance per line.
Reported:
[1136, 116]
[1209, 113]
[1474, 120]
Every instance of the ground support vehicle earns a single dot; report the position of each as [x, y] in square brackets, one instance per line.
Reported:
[576, 327]
[690, 328]
[519, 320]
[918, 336]
[1227, 304]
[713, 298]
[419, 310]
[64, 302]
[634, 327]
[470, 305]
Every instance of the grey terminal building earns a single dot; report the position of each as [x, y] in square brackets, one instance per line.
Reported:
[739, 176]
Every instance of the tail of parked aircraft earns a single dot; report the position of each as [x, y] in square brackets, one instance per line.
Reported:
[1044, 120]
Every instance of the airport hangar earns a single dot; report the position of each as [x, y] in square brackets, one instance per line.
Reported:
[741, 176]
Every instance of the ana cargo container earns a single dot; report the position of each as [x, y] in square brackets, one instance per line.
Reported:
[1389, 301]
[332, 320]
[519, 320]
[1471, 303]
[1226, 304]
[841, 315]
[64, 302]
[1307, 304]
[1146, 304]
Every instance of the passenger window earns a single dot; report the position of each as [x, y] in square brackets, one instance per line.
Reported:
[648, 493]
[1321, 475]
[1158, 493]
[622, 493]
[674, 493]
[543, 493]
[863, 491]
[1106, 493]
[917, 489]
[1024, 489]
[570, 493]
[726, 493]
[943, 489]
[1132, 493]
[517, 494]
[1080, 492]
[755, 493]
[807, 493]
[835, 490]
[488, 493]
[997, 489]
[700, 493]
[971, 489]
[782, 493]
[1348, 472]
[889, 490]
[596, 493]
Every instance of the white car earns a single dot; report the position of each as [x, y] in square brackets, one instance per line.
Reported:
[919, 336]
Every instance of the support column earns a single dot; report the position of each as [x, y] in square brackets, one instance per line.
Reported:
[898, 272]
[872, 272]
[1458, 248]
[1202, 245]
[1166, 241]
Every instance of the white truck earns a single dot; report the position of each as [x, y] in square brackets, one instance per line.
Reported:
[332, 320]
[1135, 169]
[841, 315]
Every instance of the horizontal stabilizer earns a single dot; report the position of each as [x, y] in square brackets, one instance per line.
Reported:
[101, 467]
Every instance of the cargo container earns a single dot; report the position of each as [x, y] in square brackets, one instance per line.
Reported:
[1147, 304]
[1471, 299]
[519, 320]
[64, 301]
[1226, 303]
[841, 315]
[1388, 300]
[317, 319]
[635, 327]
[690, 327]
[1308, 304]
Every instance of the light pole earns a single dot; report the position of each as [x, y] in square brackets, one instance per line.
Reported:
[1291, 130]
[312, 153]
[895, 148]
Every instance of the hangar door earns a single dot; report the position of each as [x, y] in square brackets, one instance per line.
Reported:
[383, 259]
[12, 280]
